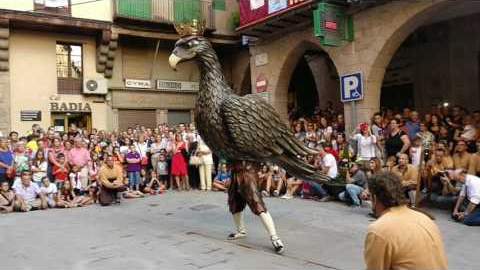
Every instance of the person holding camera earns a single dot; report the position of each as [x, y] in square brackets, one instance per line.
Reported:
[466, 210]
[356, 180]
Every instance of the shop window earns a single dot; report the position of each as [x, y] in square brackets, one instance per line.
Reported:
[61, 7]
[69, 68]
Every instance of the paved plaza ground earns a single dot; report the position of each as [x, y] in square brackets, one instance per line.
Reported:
[188, 231]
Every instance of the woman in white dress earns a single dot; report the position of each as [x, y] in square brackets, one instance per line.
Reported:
[205, 168]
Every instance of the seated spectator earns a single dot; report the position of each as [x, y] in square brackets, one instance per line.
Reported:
[408, 175]
[112, 183]
[355, 185]
[449, 194]
[155, 185]
[50, 191]
[391, 163]
[66, 197]
[223, 179]
[293, 185]
[466, 210]
[264, 176]
[461, 158]
[28, 195]
[328, 166]
[435, 166]
[475, 161]
[275, 182]
[133, 194]
[7, 198]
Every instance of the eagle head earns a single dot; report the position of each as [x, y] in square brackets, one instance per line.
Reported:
[188, 48]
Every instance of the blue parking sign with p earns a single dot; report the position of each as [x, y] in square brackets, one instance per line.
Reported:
[351, 87]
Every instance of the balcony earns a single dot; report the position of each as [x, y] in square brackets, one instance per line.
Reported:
[165, 11]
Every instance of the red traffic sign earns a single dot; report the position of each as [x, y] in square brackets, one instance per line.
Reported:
[261, 84]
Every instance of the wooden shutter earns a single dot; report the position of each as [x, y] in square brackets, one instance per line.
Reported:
[130, 118]
[137, 62]
[187, 10]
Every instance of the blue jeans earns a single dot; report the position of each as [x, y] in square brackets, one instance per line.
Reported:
[133, 179]
[317, 189]
[354, 192]
[473, 219]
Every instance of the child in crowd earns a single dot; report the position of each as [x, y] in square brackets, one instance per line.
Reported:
[66, 197]
[7, 198]
[50, 190]
[133, 168]
[39, 168]
[75, 181]
[162, 170]
[223, 178]
[60, 173]
[415, 152]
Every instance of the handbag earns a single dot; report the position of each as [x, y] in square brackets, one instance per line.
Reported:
[143, 159]
[196, 160]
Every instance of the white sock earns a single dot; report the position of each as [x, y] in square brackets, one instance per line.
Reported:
[238, 218]
[267, 221]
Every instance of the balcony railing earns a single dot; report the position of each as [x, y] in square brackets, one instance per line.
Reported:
[163, 11]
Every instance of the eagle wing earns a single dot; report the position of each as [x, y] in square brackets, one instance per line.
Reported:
[257, 130]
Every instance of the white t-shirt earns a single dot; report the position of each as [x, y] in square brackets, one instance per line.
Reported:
[366, 146]
[330, 161]
[415, 156]
[49, 191]
[37, 176]
[471, 189]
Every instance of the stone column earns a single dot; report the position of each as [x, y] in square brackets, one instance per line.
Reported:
[5, 117]
[115, 120]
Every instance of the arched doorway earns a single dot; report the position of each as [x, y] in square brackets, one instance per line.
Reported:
[246, 85]
[313, 86]
[438, 63]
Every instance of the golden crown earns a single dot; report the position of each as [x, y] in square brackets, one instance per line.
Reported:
[191, 28]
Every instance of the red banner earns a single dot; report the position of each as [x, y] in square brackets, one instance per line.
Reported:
[247, 15]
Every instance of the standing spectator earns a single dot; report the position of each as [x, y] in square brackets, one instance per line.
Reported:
[79, 157]
[378, 130]
[356, 180]
[13, 137]
[408, 176]
[467, 210]
[179, 163]
[415, 152]
[311, 137]
[434, 127]
[162, 170]
[60, 170]
[28, 195]
[397, 142]
[21, 159]
[428, 139]
[325, 131]
[205, 168]
[7, 198]
[143, 150]
[401, 238]
[194, 169]
[125, 148]
[155, 149]
[298, 131]
[6, 160]
[39, 168]
[366, 143]
[112, 183]
[412, 125]
[133, 168]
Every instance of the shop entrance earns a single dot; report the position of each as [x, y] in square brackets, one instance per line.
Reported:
[62, 121]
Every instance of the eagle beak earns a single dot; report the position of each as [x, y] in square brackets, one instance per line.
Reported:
[173, 61]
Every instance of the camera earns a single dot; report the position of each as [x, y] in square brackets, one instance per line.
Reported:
[442, 174]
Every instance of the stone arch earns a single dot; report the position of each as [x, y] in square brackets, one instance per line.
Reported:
[379, 33]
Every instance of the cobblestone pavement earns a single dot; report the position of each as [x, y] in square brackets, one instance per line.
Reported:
[188, 231]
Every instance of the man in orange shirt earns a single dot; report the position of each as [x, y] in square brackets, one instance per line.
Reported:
[401, 238]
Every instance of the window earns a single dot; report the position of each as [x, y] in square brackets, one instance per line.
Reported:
[61, 7]
[69, 68]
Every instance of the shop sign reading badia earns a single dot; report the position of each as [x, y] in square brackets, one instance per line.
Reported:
[70, 107]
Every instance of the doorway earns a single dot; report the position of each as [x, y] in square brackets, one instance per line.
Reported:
[61, 121]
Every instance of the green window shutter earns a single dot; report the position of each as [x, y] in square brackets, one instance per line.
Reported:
[219, 5]
[186, 10]
[135, 8]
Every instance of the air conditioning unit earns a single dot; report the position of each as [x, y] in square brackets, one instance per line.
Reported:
[95, 87]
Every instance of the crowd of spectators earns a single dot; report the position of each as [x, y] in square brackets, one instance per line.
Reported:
[436, 154]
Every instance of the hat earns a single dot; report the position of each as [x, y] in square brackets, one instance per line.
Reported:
[364, 127]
